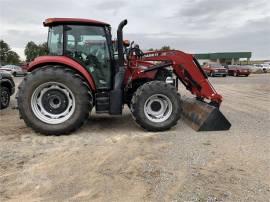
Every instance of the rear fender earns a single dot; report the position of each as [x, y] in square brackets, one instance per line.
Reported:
[62, 60]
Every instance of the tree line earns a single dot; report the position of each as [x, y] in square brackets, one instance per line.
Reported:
[7, 56]
[31, 51]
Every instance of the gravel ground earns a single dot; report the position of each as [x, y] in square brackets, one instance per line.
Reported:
[112, 159]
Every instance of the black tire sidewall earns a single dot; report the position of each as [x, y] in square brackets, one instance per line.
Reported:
[2, 105]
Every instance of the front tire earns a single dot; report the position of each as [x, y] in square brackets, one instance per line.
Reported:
[156, 106]
[54, 100]
[4, 97]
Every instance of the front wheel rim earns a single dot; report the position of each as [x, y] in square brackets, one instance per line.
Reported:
[158, 108]
[53, 103]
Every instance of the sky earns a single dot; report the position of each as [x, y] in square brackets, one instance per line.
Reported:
[193, 26]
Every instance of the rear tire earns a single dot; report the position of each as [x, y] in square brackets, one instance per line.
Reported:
[54, 100]
[156, 106]
[4, 97]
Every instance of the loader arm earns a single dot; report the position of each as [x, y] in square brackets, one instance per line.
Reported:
[189, 72]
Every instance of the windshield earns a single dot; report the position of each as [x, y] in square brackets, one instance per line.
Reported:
[55, 40]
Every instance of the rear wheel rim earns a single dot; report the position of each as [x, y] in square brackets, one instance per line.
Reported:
[158, 108]
[53, 103]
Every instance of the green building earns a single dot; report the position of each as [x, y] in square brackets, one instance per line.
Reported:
[229, 58]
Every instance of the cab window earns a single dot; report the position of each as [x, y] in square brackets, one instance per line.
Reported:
[88, 45]
[55, 40]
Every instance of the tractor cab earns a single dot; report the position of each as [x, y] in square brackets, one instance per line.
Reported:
[87, 42]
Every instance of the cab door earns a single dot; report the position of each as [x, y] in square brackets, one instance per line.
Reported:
[89, 46]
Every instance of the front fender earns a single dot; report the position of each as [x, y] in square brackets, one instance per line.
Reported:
[62, 60]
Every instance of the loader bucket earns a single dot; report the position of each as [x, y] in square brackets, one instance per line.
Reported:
[203, 117]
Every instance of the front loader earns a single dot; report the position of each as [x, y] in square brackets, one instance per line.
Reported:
[85, 69]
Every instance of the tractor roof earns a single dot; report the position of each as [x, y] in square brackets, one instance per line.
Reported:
[59, 21]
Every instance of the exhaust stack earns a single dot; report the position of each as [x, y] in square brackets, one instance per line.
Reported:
[120, 42]
[116, 95]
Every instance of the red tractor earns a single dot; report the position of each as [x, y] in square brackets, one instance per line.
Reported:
[84, 70]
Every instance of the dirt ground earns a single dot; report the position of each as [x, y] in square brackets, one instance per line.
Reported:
[113, 159]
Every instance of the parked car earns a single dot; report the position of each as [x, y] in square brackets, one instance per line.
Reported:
[264, 67]
[7, 88]
[214, 69]
[237, 70]
[14, 70]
